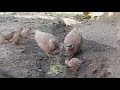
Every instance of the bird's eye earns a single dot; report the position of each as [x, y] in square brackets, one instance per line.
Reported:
[70, 46]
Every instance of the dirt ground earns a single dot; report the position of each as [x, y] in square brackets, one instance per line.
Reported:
[99, 52]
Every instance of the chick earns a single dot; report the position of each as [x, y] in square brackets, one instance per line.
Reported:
[25, 31]
[73, 42]
[17, 38]
[47, 42]
[9, 36]
[73, 64]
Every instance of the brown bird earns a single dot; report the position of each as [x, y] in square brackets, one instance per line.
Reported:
[25, 31]
[9, 36]
[73, 42]
[73, 63]
[47, 42]
[2, 39]
[17, 38]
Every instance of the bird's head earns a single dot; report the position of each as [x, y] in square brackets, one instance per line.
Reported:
[25, 31]
[53, 43]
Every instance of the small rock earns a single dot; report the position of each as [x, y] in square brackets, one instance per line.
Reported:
[84, 57]
[90, 64]
[22, 51]
[15, 20]
[40, 58]
[90, 46]
[40, 70]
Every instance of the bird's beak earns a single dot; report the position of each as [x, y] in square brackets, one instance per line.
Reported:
[68, 48]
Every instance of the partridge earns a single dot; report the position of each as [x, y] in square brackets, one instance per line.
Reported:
[9, 36]
[73, 63]
[25, 31]
[17, 38]
[47, 42]
[72, 42]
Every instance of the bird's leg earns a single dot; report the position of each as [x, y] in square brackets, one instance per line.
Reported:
[48, 55]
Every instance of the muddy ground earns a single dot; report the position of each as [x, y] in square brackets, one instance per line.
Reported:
[99, 53]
